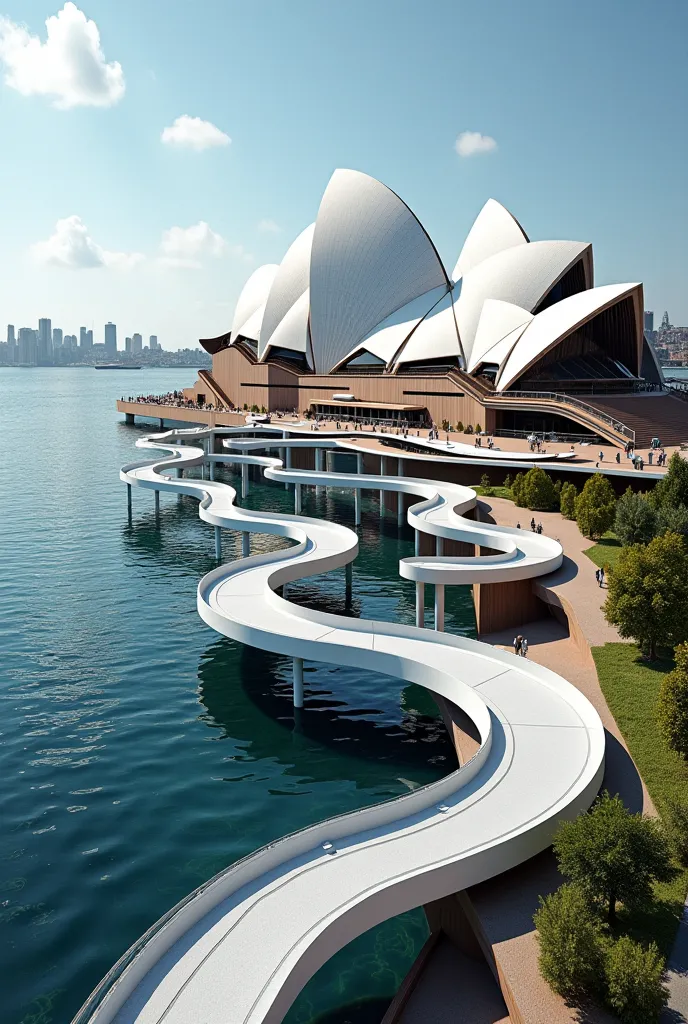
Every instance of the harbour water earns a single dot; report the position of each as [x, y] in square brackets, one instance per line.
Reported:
[140, 753]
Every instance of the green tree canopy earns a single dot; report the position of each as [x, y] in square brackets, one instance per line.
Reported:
[517, 489]
[538, 491]
[612, 855]
[570, 937]
[673, 519]
[595, 506]
[636, 519]
[647, 599]
[672, 710]
[635, 981]
[673, 489]
[567, 501]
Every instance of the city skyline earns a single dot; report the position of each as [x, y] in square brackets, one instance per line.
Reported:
[216, 180]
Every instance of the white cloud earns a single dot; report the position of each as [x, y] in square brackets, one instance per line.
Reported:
[470, 143]
[194, 133]
[71, 247]
[69, 66]
[268, 227]
[190, 243]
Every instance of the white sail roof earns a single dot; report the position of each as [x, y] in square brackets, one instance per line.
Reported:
[494, 230]
[291, 281]
[292, 330]
[497, 320]
[253, 296]
[436, 336]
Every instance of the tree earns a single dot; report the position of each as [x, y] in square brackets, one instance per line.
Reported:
[538, 490]
[478, 428]
[673, 519]
[570, 938]
[508, 481]
[613, 856]
[676, 820]
[647, 599]
[672, 491]
[486, 485]
[567, 501]
[672, 709]
[595, 506]
[459, 427]
[517, 489]
[635, 981]
[636, 520]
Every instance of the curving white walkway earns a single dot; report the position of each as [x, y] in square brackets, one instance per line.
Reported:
[242, 947]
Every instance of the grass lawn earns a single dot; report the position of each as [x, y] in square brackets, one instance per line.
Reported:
[631, 687]
[606, 552]
[497, 492]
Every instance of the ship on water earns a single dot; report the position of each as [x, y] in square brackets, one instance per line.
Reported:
[116, 366]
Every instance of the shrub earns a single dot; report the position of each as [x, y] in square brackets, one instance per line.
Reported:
[567, 501]
[672, 709]
[445, 425]
[517, 489]
[647, 599]
[459, 427]
[478, 428]
[486, 485]
[570, 938]
[635, 981]
[245, 407]
[613, 855]
[673, 519]
[508, 481]
[595, 506]
[557, 488]
[538, 491]
[469, 429]
[672, 491]
[676, 818]
[635, 521]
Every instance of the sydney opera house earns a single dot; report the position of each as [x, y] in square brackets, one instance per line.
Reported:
[361, 319]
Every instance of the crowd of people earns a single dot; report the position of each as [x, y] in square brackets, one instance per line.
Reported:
[176, 399]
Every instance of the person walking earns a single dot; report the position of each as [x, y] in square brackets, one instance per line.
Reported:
[518, 640]
[532, 524]
[597, 577]
[602, 576]
[524, 647]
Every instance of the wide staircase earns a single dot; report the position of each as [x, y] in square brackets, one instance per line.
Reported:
[650, 415]
[220, 396]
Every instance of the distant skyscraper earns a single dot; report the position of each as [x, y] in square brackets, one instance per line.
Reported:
[82, 338]
[11, 344]
[27, 346]
[127, 344]
[153, 342]
[649, 321]
[136, 343]
[45, 342]
[665, 321]
[89, 339]
[111, 339]
[57, 337]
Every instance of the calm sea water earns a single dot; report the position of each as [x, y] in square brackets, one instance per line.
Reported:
[140, 752]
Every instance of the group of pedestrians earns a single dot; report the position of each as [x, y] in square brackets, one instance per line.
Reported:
[520, 646]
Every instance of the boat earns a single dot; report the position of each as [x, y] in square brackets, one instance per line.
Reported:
[116, 366]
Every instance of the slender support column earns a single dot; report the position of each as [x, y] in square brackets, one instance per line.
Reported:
[298, 682]
[287, 465]
[180, 472]
[416, 537]
[439, 607]
[211, 470]
[318, 467]
[162, 423]
[357, 507]
[297, 499]
[244, 479]
[383, 470]
[439, 545]
[349, 582]
[203, 471]
[245, 544]
[400, 495]
[359, 463]
[129, 498]
[157, 503]
[218, 544]
[129, 418]
[420, 604]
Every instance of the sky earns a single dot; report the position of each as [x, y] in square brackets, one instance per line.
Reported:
[154, 154]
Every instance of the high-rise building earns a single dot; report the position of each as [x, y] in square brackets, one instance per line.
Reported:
[82, 338]
[111, 339]
[665, 322]
[649, 320]
[57, 338]
[127, 344]
[11, 344]
[45, 342]
[89, 339]
[153, 342]
[136, 343]
[27, 346]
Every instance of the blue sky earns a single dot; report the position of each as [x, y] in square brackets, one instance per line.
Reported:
[586, 104]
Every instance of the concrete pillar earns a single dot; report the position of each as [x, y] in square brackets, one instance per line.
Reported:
[420, 604]
[357, 507]
[129, 498]
[359, 463]
[318, 467]
[218, 544]
[157, 503]
[298, 682]
[439, 607]
[349, 582]
[162, 423]
[383, 470]
[288, 465]
[244, 479]
[400, 495]
[439, 545]
[129, 418]
[416, 537]
[297, 499]
[211, 470]
[245, 544]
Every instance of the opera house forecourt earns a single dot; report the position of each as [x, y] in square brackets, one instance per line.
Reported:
[362, 320]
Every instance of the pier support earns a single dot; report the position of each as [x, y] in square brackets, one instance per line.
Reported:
[297, 499]
[439, 607]
[318, 467]
[211, 471]
[383, 470]
[420, 604]
[439, 545]
[218, 544]
[244, 479]
[129, 499]
[245, 544]
[357, 493]
[298, 682]
[349, 582]
[400, 496]
[157, 504]
[162, 423]
[416, 540]
[287, 465]
[129, 418]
